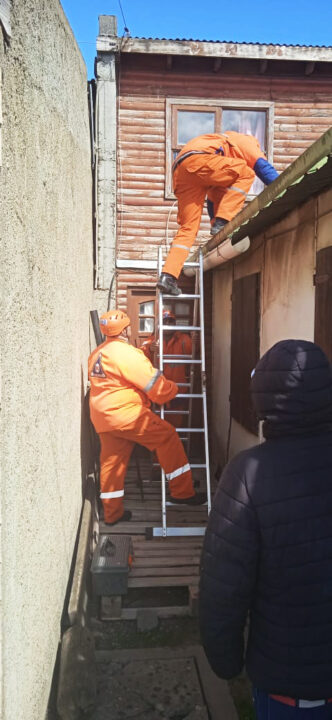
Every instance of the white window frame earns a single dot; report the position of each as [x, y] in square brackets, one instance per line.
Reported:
[214, 103]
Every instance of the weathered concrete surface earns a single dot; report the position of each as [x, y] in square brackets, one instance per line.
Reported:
[46, 280]
[77, 674]
[160, 684]
[106, 109]
[147, 619]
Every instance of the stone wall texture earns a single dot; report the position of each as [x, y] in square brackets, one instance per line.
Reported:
[46, 282]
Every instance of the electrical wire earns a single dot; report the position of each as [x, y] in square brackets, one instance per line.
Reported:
[167, 223]
[126, 30]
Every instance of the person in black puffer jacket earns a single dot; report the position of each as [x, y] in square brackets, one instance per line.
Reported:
[268, 546]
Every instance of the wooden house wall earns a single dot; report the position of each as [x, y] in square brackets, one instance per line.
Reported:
[293, 257]
[302, 113]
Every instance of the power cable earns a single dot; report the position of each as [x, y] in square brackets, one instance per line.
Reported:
[126, 29]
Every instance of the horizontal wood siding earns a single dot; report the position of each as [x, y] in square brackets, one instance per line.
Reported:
[302, 113]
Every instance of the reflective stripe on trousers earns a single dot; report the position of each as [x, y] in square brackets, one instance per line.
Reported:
[115, 494]
[178, 472]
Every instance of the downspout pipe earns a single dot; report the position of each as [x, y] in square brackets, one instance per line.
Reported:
[222, 253]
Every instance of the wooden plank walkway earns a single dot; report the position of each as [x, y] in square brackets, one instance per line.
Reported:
[159, 562]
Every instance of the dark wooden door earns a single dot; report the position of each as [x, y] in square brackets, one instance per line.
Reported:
[323, 300]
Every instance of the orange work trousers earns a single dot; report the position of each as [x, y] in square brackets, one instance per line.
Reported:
[116, 447]
[225, 180]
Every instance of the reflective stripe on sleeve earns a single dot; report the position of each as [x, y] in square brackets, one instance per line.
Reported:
[179, 471]
[114, 494]
[152, 381]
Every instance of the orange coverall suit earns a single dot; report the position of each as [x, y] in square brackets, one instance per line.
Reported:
[178, 344]
[123, 384]
[219, 166]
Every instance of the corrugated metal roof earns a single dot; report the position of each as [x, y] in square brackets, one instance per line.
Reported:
[318, 178]
[229, 42]
[214, 48]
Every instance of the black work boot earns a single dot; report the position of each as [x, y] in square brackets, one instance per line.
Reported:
[124, 518]
[167, 284]
[198, 499]
[218, 225]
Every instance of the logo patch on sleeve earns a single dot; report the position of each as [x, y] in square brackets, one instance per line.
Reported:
[97, 370]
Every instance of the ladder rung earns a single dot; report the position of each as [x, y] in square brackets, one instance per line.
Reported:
[173, 412]
[189, 395]
[183, 384]
[177, 531]
[176, 357]
[181, 327]
[190, 430]
[184, 296]
[191, 264]
[182, 362]
[173, 504]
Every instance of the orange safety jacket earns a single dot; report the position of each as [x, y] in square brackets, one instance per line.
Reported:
[230, 144]
[123, 381]
[178, 344]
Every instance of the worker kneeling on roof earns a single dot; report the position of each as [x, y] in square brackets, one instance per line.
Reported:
[123, 385]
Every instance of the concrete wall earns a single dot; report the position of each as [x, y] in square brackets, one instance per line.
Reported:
[46, 280]
[285, 255]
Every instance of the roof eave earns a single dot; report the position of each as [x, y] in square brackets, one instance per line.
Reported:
[195, 48]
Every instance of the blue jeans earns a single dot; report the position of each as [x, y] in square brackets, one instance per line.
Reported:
[268, 709]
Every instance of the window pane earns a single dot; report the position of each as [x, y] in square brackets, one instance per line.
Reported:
[146, 325]
[191, 123]
[146, 308]
[248, 122]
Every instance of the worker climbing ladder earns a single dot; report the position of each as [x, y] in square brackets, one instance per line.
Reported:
[186, 433]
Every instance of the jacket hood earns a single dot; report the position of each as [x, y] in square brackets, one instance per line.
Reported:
[292, 389]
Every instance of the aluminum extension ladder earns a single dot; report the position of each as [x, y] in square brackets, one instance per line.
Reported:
[188, 432]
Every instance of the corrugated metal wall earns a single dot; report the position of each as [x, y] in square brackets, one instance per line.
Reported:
[302, 112]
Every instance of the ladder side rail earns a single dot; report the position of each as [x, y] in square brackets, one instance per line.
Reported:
[162, 408]
[203, 375]
[192, 368]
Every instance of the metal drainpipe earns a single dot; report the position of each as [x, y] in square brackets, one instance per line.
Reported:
[221, 254]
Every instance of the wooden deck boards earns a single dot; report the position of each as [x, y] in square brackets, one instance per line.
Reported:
[159, 562]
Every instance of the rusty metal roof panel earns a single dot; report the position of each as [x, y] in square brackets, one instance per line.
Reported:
[214, 48]
[228, 42]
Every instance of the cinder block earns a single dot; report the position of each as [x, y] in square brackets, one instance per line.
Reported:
[108, 25]
[147, 620]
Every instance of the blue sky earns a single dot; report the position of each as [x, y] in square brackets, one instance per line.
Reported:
[293, 22]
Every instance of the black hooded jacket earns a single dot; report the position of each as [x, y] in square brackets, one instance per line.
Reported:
[268, 545]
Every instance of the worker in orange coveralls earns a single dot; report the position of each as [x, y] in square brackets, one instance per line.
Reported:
[175, 343]
[223, 167]
[123, 384]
